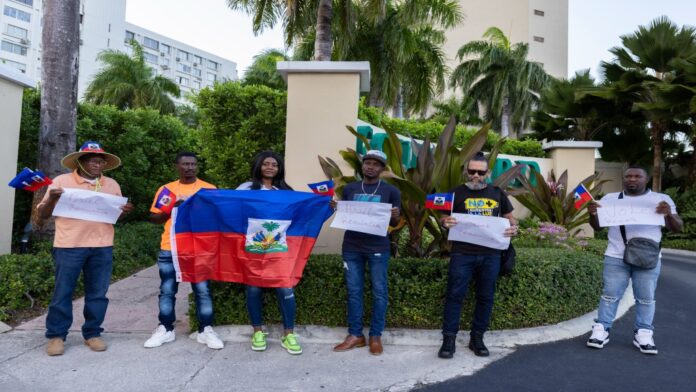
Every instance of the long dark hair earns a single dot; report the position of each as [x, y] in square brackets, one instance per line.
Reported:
[257, 175]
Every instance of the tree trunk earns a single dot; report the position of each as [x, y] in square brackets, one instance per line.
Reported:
[59, 65]
[398, 110]
[505, 119]
[657, 131]
[323, 41]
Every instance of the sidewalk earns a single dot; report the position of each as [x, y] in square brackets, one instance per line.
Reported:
[410, 357]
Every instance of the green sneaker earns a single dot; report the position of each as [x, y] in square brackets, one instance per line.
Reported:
[258, 341]
[290, 343]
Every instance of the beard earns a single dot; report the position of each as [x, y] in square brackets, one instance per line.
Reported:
[476, 186]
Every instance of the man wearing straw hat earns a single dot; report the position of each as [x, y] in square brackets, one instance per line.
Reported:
[81, 245]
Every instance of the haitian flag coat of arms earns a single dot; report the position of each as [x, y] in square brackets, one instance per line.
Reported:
[260, 238]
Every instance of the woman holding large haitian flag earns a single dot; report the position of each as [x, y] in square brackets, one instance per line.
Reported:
[268, 173]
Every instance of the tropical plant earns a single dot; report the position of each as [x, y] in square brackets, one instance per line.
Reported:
[263, 71]
[438, 169]
[127, 82]
[499, 76]
[551, 200]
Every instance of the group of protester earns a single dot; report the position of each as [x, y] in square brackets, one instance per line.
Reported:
[86, 246]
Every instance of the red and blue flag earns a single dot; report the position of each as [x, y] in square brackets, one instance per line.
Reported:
[439, 201]
[30, 180]
[324, 188]
[258, 238]
[582, 196]
[166, 200]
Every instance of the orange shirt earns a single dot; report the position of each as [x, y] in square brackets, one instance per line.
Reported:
[180, 190]
[78, 233]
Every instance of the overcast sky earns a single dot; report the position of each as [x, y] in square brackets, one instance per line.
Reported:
[594, 26]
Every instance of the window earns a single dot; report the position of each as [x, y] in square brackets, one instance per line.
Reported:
[184, 68]
[150, 58]
[196, 85]
[150, 43]
[164, 48]
[198, 60]
[211, 77]
[14, 48]
[182, 80]
[17, 14]
[13, 64]
[197, 72]
[212, 65]
[183, 55]
[538, 39]
[129, 36]
[17, 32]
[26, 2]
[538, 13]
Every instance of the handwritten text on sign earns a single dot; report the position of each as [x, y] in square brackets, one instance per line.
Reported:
[480, 230]
[629, 212]
[89, 205]
[364, 217]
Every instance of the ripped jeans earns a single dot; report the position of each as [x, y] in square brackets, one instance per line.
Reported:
[286, 305]
[616, 275]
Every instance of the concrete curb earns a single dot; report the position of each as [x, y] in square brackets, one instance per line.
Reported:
[680, 252]
[430, 337]
[4, 327]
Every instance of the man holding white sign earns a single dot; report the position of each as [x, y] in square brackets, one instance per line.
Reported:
[81, 245]
[631, 216]
[475, 253]
[360, 248]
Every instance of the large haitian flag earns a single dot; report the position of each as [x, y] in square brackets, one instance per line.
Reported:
[260, 238]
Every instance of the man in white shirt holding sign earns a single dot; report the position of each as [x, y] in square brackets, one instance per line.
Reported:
[470, 259]
[617, 273]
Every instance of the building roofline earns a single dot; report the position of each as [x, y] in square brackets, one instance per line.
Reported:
[16, 77]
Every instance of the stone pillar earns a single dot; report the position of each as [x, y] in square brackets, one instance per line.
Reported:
[578, 158]
[12, 86]
[322, 100]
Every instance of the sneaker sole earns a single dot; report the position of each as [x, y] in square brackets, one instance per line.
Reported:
[291, 351]
[598, 345]
[209, 346]
[160, 344]
[258, 348]
[650, 352]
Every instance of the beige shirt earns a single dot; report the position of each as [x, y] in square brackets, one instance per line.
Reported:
[78, 233]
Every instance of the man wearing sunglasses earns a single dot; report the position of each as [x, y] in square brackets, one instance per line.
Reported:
[473, 260]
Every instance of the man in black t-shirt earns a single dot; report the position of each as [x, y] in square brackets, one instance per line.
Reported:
[360, 249]
[473, 260]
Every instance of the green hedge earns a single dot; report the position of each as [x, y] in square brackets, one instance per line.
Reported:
[26, 280]
[548, 286]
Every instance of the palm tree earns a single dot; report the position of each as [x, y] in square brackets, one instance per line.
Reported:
[501, 78]
[59, 68]
[127, 82]
[264, 71]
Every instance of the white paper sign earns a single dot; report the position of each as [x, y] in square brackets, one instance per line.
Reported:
[364, 217]
[480, 230]
[629, 211]
[89, 205]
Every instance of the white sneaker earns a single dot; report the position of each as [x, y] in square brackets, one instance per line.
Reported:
[643, 339]
[159, 337]
[599, 336]
[210, 339]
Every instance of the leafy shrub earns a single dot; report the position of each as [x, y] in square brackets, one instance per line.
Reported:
[679, 243]
[686, 207]
[26, 280]
[236, 123]
[549, 235]
[548, 286]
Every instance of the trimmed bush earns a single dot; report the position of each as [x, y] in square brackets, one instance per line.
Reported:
[26, 280]
[548, 286]
[679, 243]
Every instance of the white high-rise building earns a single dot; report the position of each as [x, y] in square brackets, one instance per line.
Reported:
[103, 26]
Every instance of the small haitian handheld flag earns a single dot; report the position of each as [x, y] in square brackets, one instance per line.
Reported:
[166, 201]
[259, 238]
[324, 188]
[439, 201]
[30, 180]
[582, 196]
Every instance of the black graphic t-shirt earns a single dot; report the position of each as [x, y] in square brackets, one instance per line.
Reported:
[354, 241]
[489, 201]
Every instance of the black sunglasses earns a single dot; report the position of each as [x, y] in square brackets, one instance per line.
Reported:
[481, 173]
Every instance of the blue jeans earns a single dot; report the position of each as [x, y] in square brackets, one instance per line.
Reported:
[484, 269]
[96, 264]
[167, 297]
[616, 275]
[354, 267]
[286, 305]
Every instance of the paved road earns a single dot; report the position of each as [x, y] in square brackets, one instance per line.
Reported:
[570, 366]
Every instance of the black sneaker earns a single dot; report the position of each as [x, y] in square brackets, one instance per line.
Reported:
[599, 337]
[448, 347]
[476, 344]
[643, 339]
